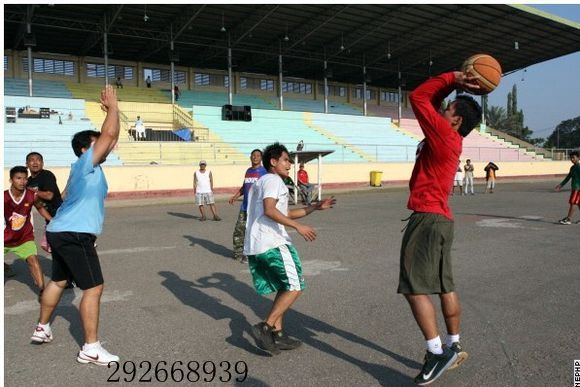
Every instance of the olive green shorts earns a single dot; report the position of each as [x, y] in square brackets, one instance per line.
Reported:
[426, 255]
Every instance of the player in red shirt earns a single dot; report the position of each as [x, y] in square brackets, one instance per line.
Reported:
[18, 228]
[425, 267]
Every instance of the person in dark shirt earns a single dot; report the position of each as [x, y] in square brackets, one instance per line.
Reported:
[43, 182]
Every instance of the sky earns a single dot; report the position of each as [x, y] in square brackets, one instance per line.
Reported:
[550, 91]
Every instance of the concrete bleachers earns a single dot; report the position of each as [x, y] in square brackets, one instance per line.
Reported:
[480, 146]
[308, 105]
[92, 92]
[189, 98]
[46, 136]
[40, 88]
[268, 126]
[375, 136]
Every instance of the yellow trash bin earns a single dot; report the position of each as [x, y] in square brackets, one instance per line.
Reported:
[376, 177]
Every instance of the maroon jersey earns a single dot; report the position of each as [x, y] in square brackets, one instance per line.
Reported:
[18, 219]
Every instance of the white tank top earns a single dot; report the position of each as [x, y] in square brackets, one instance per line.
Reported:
[203, 184]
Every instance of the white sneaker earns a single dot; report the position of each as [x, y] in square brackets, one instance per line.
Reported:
[42, 335]
[97, 355]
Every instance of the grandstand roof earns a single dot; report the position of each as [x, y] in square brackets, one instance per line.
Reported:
[347, 35]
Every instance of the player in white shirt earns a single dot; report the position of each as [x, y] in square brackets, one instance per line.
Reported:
[273, 260]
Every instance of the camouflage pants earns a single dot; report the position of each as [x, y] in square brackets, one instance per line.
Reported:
[239, 235]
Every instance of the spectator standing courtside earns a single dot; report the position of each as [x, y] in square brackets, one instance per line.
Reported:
[43, 182]
[252, 175]
[468, 169]
[574, 200]
[425, 265]
[203, 190]
[73, 231]
[490, 175]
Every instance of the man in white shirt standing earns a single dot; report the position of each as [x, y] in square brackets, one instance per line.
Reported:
[274, 262]
[203, 190]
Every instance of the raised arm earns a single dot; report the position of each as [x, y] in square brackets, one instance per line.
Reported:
[110, 129]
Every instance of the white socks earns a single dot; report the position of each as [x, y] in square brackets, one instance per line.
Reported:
[451, 339]
[46, 327]
[94, 345]
[434, 346]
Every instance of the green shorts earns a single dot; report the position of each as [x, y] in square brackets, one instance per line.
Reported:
[23, 251]
[425, 266]
[277, 269]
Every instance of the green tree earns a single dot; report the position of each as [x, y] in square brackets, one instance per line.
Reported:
[496, 117]
[566, 135]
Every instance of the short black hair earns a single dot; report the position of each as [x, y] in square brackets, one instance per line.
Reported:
[34, 154]
[273, 151]
[18, 169]
[573, 153]
[256, 150]
[468, 109]
[83, 140]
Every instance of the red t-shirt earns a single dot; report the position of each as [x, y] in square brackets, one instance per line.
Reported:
[18, 227]
[438, 154]
[303, 176]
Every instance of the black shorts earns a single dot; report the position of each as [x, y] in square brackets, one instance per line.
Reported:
[425, 266]
[74, 257]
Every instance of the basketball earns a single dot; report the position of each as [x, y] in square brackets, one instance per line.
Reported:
[487, 68]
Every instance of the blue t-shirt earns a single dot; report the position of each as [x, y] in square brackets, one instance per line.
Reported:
[252, 175]
[83, 209]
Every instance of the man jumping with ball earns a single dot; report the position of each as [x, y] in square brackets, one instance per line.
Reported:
[425, 266]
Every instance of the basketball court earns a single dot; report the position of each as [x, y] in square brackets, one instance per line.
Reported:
[172, 293]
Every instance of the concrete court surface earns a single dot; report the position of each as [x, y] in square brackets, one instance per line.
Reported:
[173, 294]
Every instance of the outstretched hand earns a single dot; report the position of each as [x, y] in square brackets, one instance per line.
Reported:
[108, 98]
[467, 82]
[326, 203]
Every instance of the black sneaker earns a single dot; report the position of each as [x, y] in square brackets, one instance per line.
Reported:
[263, 334]
[461, 355]
[284, 342]
[434, 366]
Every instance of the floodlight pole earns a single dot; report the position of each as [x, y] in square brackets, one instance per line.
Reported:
[230, 80]
[171, 47]
[325, 87]
[364, 89]
[280, 78]
[106, 49]
[400, 99]
[29, 48]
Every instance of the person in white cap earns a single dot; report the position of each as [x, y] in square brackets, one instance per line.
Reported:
[203, 190]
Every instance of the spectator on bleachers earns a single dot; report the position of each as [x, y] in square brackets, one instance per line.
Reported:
[59, 119]
[43, 182]
[118, 83]
[139, 129]
[306, 188]
[148, 82]
[70, 116]
[176, 92]
[490, 170]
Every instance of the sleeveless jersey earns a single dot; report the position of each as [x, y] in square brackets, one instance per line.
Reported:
[18, 227]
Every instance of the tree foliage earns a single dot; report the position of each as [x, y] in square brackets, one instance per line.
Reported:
[566, 135]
